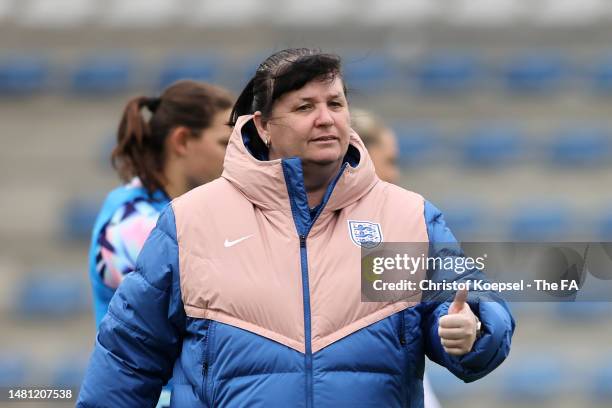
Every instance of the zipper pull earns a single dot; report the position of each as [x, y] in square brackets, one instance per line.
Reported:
[205, 368]
[302, 241]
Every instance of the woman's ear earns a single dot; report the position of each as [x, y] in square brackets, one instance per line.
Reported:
[176, 143]
[262, 126]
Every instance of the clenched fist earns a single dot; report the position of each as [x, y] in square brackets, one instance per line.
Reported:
[458, 329]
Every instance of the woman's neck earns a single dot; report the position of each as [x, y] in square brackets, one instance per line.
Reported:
[172, 191]
[316, 180]
[175, 181]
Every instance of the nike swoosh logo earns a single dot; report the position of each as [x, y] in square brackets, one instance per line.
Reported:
[228, 244]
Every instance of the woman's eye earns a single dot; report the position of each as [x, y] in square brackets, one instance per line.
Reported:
[303, 107]
[336, 104]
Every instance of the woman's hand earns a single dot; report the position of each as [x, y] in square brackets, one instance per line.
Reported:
[457, 330]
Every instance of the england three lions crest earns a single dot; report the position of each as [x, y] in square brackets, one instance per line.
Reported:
[365, 234]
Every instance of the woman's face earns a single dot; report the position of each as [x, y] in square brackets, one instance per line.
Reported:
[312, 123]
[205, 153]
[384, 156]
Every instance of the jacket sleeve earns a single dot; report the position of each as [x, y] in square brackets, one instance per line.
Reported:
[492, 348]
[141, 335]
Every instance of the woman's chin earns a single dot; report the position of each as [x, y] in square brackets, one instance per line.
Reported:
[323, 160]
[324, 156]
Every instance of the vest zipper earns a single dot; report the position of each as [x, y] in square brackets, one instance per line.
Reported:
[206, 362]
[307, 323]
[402, 328]
[303, 233]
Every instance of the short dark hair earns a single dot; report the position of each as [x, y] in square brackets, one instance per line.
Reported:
[282, 72]
[140, 143]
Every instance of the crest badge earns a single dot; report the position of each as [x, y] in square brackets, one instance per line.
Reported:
[365, 234]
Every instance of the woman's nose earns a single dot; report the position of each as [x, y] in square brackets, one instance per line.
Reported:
[324, 117]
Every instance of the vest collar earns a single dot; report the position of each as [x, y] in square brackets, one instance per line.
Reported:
[266, 184]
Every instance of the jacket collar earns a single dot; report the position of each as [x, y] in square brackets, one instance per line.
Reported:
[265, 182]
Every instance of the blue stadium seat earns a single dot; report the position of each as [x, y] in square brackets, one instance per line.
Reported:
[448, 72]
[371, 73]
[69, 372]
[493, 145]
[450, 389]
[605, 227]
[600, 381]
[539, 222]
[52, 294]
[248, 66]
[464, 220]
[581, 311]
[103, 74]
[238, 72]
[78, 216]
[531, 310]
[601, 75]
[535, 72]
[13, 369]
[23, 75]
[416, 143]
[581, 146]
[533, 380]
[188, 67]
[445, 385]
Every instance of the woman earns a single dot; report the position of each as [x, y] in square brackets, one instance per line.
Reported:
[180, 146]
[248, 292]
[380, 141]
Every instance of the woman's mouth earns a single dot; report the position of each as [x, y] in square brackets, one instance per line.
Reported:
[322, 139]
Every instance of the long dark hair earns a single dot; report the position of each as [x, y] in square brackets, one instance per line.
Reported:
[140, 142]
[282, 72]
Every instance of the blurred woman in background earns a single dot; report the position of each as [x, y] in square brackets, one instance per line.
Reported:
[380, 141]
[180, 144]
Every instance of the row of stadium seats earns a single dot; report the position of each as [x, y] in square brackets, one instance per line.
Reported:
[52, 294]
[488, 145]
[530, 381]
[20, 370]
[499, 144]
[94, 75]
[533, 72]
[152, 13]
[538, 221]
[533, 379]
[495, 145]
